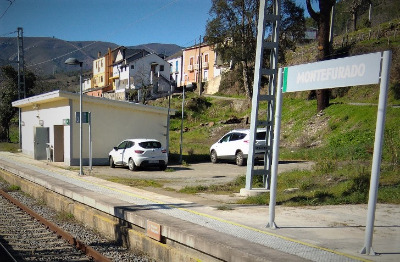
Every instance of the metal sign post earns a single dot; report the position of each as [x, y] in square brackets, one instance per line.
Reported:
[90, 139]
[377, 157]
[275, 149]
[349, 71]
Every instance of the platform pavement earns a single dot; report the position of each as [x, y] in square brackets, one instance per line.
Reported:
[332, 233]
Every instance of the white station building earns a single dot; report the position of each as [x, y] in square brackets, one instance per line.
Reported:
[49, 121]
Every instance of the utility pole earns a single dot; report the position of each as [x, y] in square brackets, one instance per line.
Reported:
[267, 17]
[21, 77]
[200, 58]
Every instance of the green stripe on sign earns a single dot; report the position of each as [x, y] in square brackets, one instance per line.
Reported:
[285, 75]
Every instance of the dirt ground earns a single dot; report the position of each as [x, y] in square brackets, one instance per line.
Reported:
[200, 174]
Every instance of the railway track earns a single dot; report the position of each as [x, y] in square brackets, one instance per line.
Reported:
[26, 236]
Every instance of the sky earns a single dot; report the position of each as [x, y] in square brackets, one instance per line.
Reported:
[123, 22]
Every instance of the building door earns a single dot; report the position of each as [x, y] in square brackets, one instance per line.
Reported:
[40, 140]
[58, 144]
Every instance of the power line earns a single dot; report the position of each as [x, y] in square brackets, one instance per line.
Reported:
[11, 2]
[58, 57]
[10, 33]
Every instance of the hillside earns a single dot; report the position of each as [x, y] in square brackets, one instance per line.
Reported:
[161, 49]
[46, 55]
[339, 140]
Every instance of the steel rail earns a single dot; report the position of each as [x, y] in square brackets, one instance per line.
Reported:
[98, 257]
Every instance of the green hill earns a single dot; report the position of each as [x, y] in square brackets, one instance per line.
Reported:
[339, 140]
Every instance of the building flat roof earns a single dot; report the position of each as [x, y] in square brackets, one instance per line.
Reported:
[63, 95]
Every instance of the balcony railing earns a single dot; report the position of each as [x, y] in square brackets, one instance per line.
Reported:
[190, 67]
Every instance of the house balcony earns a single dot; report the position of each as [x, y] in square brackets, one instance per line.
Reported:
[190, 67]
[196, 67]
[205, 65]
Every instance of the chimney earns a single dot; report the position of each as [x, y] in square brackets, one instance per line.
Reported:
[98, 54]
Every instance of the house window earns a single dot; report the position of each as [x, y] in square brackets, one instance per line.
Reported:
[206, 58]
[205, 76]
[132, 66]
[176, 66]
[191, 61]
[161, 68]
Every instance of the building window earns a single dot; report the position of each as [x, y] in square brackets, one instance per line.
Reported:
[176, 66]
[205, 76]
[206, 58]
[132, 66]
[191, 61]
[161, 68]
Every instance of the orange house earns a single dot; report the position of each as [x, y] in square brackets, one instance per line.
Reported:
[102, 73]
[199, 63]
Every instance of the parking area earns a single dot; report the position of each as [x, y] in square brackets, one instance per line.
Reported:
[177, 177]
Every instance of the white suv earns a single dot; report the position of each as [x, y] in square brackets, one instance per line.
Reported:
[136, 153]
[235, 146]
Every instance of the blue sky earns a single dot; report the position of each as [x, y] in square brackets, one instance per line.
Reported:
[123, 22]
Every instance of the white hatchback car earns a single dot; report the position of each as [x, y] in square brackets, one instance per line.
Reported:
[235, 146]
[136, 153]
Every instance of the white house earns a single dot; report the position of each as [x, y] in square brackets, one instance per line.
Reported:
[138, 69]
[50, 118]
[176, 62]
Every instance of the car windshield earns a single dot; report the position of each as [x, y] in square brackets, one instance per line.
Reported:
[150, 144]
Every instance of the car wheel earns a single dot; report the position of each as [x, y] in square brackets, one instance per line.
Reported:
[163, 167]
[213, 157]
[131, 165]
[112, 164]
[239, 158]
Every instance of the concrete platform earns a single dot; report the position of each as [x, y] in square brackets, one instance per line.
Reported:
[173, 229]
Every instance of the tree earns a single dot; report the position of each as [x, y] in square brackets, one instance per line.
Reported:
[232, 31]
[356, 6]
[9, 94]
[324, 46]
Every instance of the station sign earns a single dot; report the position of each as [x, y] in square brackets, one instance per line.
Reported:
[349, 71]
[153, 230]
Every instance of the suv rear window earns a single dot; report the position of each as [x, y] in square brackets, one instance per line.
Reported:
[260, 135]
[150, 144]
[237, 136]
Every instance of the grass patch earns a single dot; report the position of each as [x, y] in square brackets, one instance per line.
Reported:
[133, 182]
[64, 216]
[9, 147]
[225, 208]
[13, 188]
[327, 183]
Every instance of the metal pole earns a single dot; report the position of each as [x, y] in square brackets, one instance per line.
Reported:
[199, 65]
[377, 157]
[80, 121]
[254, 103]
[180, 147]
[90, 140]
[275, 149]
[169, 109]
[21, 78]
[331, 25]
